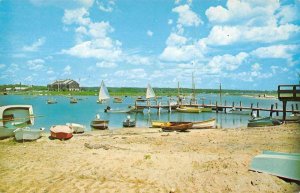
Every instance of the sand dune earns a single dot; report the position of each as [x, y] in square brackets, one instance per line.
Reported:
[146, 160]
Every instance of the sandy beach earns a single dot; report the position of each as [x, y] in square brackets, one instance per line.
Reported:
[147, 160]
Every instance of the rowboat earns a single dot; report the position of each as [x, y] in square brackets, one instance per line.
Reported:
[284, 165]
[118, 100]
[73, 100]
[206, 124]
[28, 134]
[263, 121]
[51, 101]
[158, 124]
[239, 112]
[77, 128]
[109, 110]
[129, 122]
[185, 109]
[176, 126]
[61, 132]
[98, 123]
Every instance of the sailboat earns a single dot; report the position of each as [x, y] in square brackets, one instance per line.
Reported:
[150, 92]
[103, 93]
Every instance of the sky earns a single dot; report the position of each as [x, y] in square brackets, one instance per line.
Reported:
[243, 44]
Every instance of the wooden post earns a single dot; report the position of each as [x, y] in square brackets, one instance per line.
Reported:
[296, 107]
[241, 105]
[284, 111]
[276, 106]
[257, 110]
[225, 102]
[217, 110]
[232, 104]
[292, 108]
[271, 111]
[251, 108]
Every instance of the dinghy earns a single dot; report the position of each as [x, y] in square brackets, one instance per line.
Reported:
[176, 126]
[61, 132]
[28, 133]
[263, 121]
[97, 123]
[77, 128]
[129, 122]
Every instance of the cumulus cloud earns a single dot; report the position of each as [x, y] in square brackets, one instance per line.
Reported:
[106, 5]
[36, 65]
[65, 4]
[67, 70]
[35, 45]
[137, 73]
[105, 64]
[175, 39]
[76, 16]
[186, 16]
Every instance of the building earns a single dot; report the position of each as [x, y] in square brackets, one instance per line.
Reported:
[64, 85]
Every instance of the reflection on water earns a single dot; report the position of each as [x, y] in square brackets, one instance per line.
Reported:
[86, 109]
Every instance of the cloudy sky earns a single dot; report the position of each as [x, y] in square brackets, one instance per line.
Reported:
[245, 44]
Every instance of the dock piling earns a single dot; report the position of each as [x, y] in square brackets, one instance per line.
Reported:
[271, 111]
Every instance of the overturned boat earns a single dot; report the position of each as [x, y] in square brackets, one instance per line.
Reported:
[28, 133]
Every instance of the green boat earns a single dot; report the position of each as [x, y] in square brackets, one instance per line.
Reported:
[263, 121]
[284, 165]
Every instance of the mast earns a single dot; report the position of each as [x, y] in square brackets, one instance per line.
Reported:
[220, 93]
[193, 87]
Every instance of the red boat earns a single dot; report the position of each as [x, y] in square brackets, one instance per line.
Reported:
[61, 132]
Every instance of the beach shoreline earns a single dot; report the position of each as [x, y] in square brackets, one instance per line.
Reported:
[147, 160]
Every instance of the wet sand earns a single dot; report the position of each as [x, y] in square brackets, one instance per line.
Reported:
[147, 160]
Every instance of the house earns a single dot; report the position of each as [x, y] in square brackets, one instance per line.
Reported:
[64, 85]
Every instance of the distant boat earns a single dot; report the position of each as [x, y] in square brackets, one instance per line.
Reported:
[284, 165]
[185, 109]
[51, 101]
[97, 123]
[73, 101]
[239, 112]
[28, 133]
[77, 128]
[109, 110]
[129, 122]
[118, 100]
[103, 93]
[206, 124]
[61, 132]
[150, 92]
[263, 121]
[176, 126]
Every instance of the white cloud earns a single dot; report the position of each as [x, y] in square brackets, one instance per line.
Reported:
[67, 70]
[36, 65]
[65, 4]
[223, 35]
[288, 13]
[149, 33]
[186, 16]
[105, 64]
[2, 66]
[181, 53]
[137, 73]
[170, 21]
[175, 39]
[35, 46]
[226, 62]
[137, 60]
[50, 72]
[100, 29]
[106, 5]
[76, 16]
[256, 67]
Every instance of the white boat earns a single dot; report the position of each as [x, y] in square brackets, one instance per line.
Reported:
[103, 93]
[239, 112]
[77, 128]
[109, 110]
[210, 123]
[150, 92]
[28, 134]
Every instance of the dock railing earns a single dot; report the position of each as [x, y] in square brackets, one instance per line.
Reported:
[289, 92]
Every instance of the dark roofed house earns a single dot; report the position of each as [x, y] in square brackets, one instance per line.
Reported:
[68, 84]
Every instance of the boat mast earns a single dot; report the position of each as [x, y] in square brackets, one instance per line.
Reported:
[193, 87]
[220, 93]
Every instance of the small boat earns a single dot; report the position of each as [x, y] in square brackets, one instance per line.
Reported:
[109, 110]
[77, 128]
[158, 124]
[239, 112]
[97, 123]
[103, 95]
[27, 133]
[184, 109]
[129, 122]
[61, 132]
[73, 101]
[16, 114]
[176, 126]
[263, 121]
[284, 165]
[51, 101]
[118, 100]
[206, 124]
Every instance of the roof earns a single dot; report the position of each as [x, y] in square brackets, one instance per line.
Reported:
[67, 81]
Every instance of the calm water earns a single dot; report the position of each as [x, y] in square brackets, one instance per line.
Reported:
[86, 109]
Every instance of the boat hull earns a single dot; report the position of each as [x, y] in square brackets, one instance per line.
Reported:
[261, 122]
[28, 134]
[77, 128]
[189, 110]
[61, 132]
[177, 127]
[99, 124]
[129, 123]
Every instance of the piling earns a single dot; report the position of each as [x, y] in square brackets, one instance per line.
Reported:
[271, 111]
[276, 107]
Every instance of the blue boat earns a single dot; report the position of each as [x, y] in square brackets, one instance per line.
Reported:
[263, 121]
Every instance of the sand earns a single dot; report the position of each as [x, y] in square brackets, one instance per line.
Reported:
[147, 160]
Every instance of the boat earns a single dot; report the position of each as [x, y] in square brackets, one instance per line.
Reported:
[206, 124]
[239, 112]
[184, 109]
[28, 133]
[61, 132]
[118, 100]
[73, 101]
[103, 95]
[150, 92]
[129, 122]
[263, 121]
[51, 101]
[176, 126]
[109, 110]
[284, 165]
[97, 123]
[77, 128]
[16, 115]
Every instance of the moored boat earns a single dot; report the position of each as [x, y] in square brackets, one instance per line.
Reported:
[118, 100]
[184, 109]
[73, 101]
[77, 128]
[158, 124]
[103, 95]
[109, 110]
[284, 165]
[206, 124]
[176, 126]
[129, 122]
[239, 112]
[28, 133]
[61, 132]
[97, 123]
[263, 121]
[51, 101]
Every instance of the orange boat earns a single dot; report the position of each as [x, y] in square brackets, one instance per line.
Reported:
[176, 126]
[61, 132]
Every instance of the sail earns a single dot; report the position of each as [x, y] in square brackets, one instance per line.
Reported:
[150, 92]
[103, 92]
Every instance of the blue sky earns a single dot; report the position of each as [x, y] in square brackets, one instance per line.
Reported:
[249, 44]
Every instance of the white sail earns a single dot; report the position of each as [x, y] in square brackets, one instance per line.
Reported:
[103, 92]
[150, 92]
